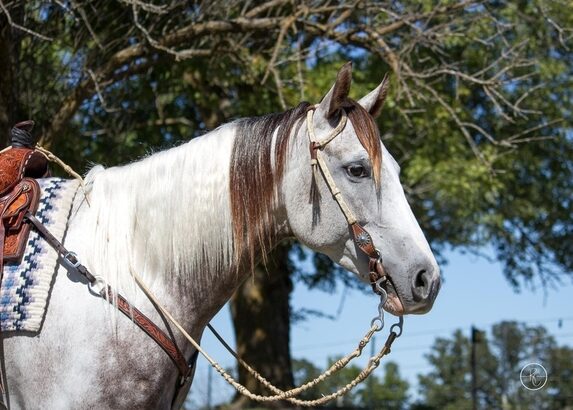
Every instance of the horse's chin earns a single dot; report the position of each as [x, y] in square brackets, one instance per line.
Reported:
[393, 303]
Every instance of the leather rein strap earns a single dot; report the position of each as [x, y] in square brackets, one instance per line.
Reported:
[360, 235]
[146, 324]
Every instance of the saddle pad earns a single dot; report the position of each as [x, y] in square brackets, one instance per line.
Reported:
[25, 286]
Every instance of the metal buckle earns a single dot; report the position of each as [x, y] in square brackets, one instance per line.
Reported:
[70, 255]
[96, 287]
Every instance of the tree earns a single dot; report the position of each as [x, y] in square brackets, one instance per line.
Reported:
[560, 376]
[478, 114]
[391, 392]
[265, 320]
[512, 345]
[448, 385]
[388, 392]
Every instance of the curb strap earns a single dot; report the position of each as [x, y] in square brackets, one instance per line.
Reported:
[140, 319]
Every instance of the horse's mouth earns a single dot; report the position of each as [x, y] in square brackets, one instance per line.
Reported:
[393, 303]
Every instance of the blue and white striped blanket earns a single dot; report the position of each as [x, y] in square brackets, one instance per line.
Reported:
[25, 287]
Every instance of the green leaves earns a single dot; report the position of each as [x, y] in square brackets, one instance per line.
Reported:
[500, 357]
[477, 114]
[384, 389]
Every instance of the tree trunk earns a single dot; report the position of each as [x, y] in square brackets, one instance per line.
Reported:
[260, 310]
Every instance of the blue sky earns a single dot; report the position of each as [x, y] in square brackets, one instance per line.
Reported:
[474, 293]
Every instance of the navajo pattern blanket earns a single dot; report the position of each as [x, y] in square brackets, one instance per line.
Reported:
[25, 286]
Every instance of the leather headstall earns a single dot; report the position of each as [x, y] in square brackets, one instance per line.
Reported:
[362, 239]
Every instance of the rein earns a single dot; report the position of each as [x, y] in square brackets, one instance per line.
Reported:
[361, 238]
[364, 242]
[167, 343]
[279, 394]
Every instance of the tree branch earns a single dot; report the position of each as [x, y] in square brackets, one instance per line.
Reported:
[105, 73]
[19, 27]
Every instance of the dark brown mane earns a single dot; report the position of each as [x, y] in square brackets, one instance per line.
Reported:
[253, 182]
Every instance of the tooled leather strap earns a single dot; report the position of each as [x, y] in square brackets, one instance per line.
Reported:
[363, 240]
[164, 341]
[13, 164]
[146, 324]
[7, 202]
[360, 235]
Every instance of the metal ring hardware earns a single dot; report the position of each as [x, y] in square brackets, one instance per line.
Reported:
[380, 317]
[399, 325]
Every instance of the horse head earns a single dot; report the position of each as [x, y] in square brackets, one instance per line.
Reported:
[365, 175]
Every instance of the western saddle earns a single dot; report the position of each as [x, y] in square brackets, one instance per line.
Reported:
[20, 164]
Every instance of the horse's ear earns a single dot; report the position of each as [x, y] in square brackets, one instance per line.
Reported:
[332, 101]
[374, 101]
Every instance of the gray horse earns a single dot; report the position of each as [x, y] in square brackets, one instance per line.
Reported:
[192, 221]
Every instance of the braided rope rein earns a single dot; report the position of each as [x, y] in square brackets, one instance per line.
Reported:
[373, 363]
[288, 394]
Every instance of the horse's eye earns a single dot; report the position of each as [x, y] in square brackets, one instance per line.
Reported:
[357, 171]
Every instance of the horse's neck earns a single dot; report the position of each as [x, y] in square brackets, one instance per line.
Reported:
[165, 217]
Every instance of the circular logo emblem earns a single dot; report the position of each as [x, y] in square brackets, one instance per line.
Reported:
[533, 376]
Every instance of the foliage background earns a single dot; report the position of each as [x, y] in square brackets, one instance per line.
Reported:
[479, 116]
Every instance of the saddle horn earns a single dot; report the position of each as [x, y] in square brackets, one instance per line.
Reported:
[21, 135]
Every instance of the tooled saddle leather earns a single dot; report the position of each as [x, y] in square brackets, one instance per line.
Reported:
[19, 191]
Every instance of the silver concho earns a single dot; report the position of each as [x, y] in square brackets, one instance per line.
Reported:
[362, 239]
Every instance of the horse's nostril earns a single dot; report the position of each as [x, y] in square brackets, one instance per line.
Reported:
[421, 286]
[419, 281]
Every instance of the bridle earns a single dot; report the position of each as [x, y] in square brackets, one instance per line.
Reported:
[360, 235]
